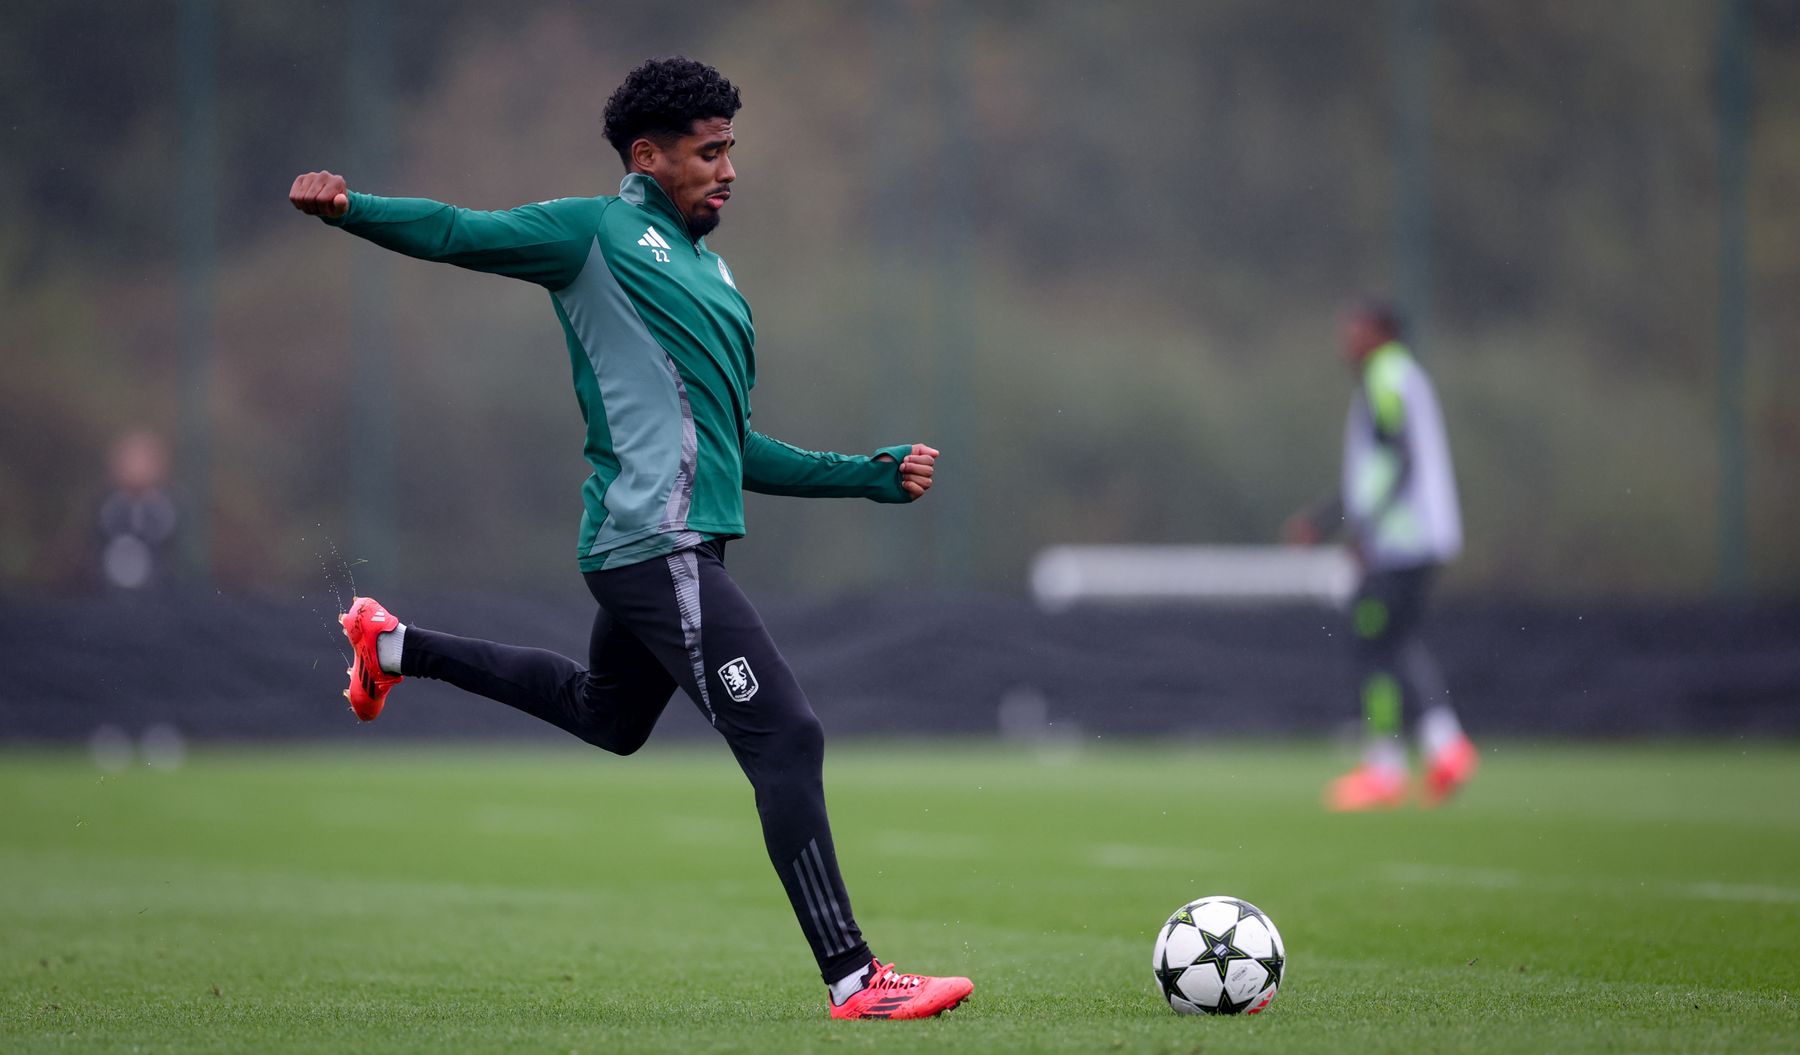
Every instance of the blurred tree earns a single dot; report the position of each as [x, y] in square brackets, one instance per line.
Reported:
[1160, 205]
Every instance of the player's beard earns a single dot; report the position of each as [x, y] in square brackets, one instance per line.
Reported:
[701, 223]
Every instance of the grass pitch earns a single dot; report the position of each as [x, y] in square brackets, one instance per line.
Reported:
[469, 899]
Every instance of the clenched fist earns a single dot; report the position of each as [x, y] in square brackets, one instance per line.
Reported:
[320, 194]
[916, 470]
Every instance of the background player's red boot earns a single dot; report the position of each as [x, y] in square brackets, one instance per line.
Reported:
[1448, 770]
[893, 995]
[369, 684]
[1366, 788]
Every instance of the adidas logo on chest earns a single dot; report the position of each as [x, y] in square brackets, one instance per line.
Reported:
[656, 244]
[660, 249]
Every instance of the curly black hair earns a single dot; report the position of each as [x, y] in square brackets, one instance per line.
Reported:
[1384, 315]
[662, 99]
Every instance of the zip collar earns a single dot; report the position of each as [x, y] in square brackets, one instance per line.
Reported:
[647, 194]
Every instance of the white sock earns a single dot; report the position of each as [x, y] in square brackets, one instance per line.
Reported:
[387, 648]
[1385, 753]
[1438, 729]
[850, 985]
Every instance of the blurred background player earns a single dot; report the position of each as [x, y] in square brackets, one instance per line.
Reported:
[663, 354]
[1397, 508]
[137, 518]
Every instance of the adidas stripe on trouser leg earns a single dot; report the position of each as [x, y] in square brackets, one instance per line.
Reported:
[681, 620]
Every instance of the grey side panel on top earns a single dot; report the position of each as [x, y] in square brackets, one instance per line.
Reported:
[681, 496]
[644, 409]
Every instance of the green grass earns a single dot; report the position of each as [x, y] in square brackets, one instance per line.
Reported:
[1576, 899]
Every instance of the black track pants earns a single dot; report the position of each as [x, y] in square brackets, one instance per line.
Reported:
[681, 621]
[1394, 668]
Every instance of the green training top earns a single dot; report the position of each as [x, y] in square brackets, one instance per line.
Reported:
[664, 357]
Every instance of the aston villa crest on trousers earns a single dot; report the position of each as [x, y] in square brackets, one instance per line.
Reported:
[739, 681]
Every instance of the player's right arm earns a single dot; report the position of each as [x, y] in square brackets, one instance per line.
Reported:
[892, 474]
[546, 243]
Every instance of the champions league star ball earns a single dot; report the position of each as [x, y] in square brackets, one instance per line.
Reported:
[1219, 956]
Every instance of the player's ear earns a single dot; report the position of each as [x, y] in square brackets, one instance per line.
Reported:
[644, 154]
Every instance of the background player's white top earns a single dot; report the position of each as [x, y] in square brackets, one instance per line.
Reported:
[1399, 484]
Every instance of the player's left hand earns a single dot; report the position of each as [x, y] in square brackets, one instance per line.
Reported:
[915, 470]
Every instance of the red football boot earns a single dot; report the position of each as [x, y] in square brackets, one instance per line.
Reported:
[1366, 788]
[892, 995]
[1448, 770]
[369, 684]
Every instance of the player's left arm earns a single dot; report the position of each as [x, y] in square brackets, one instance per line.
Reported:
[892, 474]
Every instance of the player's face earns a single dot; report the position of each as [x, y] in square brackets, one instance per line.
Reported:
[695, 172]
[1358, 336]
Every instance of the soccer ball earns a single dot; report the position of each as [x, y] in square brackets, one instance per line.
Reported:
[1218, 955]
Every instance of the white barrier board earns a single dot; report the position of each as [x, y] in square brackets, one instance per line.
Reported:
[1064, 576]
